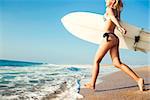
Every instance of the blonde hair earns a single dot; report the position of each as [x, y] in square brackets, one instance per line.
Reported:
[116, 4]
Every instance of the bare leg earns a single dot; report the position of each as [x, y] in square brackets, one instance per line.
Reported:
[114, 52]
[102, 50]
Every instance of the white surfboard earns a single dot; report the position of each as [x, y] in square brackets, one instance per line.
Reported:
[88, 26]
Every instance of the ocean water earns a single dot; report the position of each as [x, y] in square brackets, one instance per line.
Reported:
[38, 81]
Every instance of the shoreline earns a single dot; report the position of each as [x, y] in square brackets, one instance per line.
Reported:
[119, 86]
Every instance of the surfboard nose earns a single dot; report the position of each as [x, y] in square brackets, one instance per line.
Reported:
[68, 20]
[71, 17]
[65, 18]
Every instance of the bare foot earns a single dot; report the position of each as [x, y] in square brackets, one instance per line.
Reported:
[141, 84]
[89, 85]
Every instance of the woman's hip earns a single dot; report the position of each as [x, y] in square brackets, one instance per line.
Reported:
[110, 37]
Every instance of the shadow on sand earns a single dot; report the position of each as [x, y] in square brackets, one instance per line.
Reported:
[123, 88]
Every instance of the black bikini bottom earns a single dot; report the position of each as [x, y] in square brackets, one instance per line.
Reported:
[107, 36]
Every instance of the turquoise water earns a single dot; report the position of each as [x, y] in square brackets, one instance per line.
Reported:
[17, 63]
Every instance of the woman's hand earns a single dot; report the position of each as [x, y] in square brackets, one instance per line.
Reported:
[122, 30]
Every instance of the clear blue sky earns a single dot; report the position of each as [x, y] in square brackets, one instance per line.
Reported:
[31, 30]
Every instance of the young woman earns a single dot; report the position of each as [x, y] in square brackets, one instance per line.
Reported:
[111, 42]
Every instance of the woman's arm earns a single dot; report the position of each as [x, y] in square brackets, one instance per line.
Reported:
[115, 21]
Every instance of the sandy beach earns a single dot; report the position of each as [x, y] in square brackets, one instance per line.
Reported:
[119, 86]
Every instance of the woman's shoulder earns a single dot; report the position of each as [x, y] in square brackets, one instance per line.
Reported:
[111, 11]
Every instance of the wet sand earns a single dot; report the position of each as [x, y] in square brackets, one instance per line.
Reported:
[119, 86]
